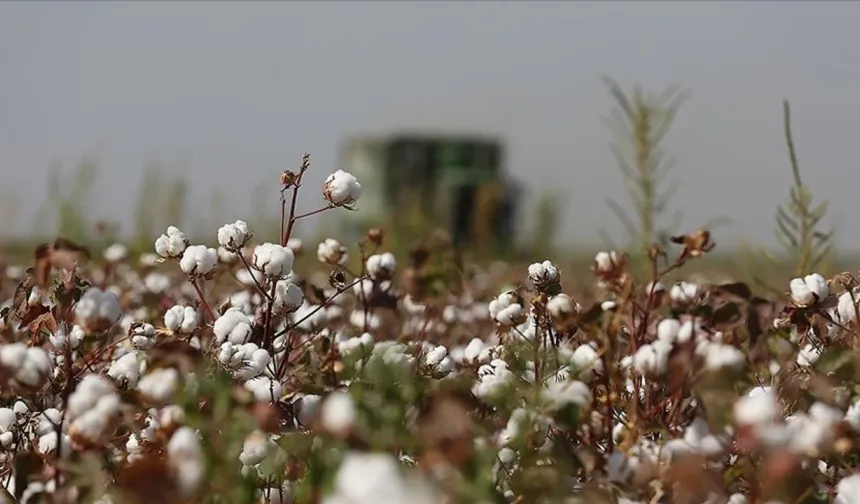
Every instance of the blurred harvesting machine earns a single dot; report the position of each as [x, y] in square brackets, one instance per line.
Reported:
[418, 181]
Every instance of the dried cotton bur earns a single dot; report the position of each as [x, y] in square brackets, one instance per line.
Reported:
[247, 370]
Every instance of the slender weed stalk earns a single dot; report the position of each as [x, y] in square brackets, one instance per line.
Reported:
[798, 221]
[639, 123]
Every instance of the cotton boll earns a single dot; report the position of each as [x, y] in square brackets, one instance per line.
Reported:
[234, 236]
[273, 260]
[308, 409]
[60, 340]
[115, 253]
[160, 385]
[542, 275]
[288, 297]
[126, 370]
[331, 252]
[337, 413]
[142, 336]
[264, 389]
[846, 309]
[185, 456]
[848, 490]
[172, 244]
[198, 260]
[562, 393]
[30, 367]
[808, 355]
[507, 309]
[606, 262]
[667, 330]
[800, 292]
[341, 188]
[756, 409]
[156, 283]
[381, 265]
[718, 356]
[652, 358]
[561, 307]
[233, 326]
[586, 361]
[87, 394]
[684, 292]
[97, 310]
[181, 319]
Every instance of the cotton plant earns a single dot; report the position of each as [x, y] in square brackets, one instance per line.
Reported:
[232, 365]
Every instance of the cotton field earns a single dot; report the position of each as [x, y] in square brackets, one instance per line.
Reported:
[223, 372]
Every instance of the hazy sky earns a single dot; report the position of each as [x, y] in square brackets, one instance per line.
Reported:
[242, 89]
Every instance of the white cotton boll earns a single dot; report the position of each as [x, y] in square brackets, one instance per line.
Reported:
[156, 283]
[756, 409]
[586, 361]
[254, 365]
[667, 329]
[381, 265]
[652, 358]
[337, 413]
[605, 262]
[848, 490]
[341, 188]
[88, 392]
[737, 499]
[126, 370]
[562, 393]
[507, 309]
[234, 236]
[684, 292]
[309, 406]
[142, 336]
[288, 297]
[186, 458]
[273, 260]
[846, 308]
[160, 385]
[32, 366]
[115, 253]
[7, 419]
[60, 339]
[808, 355]
[198, 260]
[801, 294]
[562, 306]
[255, 448]
[543, 274]
[474, 350]
[264, 389]
[331, 252]
[720, 356]
[818, 285]
[233, 326]
[608, 305]
[359, 319]
[174, 317]
[97, 310]
[377, 478]
[435, 355]
[172, 244]
[296, 245]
